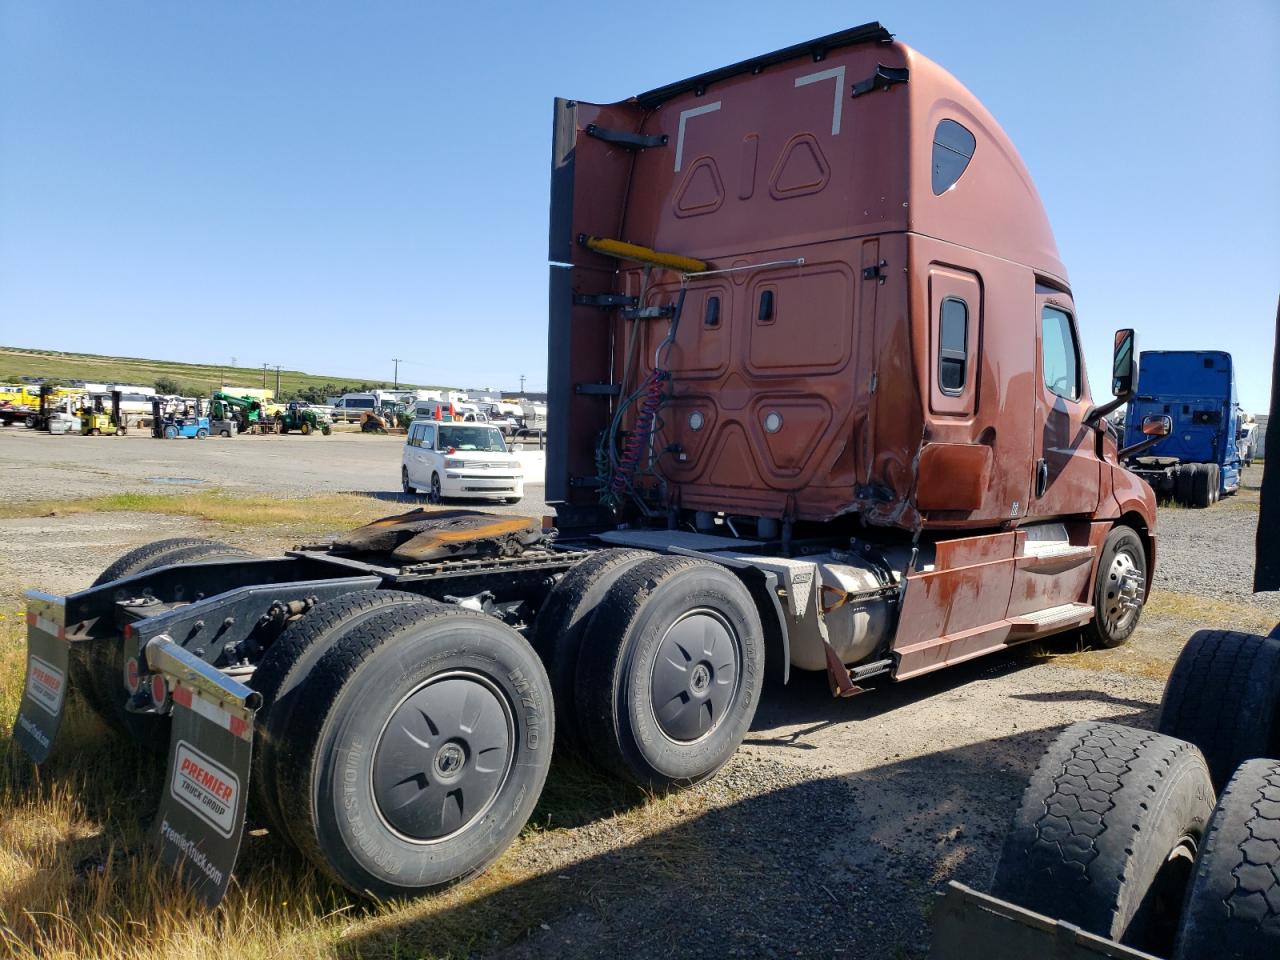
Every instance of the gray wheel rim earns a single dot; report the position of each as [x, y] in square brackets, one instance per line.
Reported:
[443, 757]
[435, 486]
[1123, 592]
[695, 675]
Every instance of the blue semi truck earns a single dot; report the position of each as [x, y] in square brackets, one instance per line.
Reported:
[1199, 461]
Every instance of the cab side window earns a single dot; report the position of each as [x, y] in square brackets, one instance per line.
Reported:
[1060, 356]
[953, 346]
[428, 436]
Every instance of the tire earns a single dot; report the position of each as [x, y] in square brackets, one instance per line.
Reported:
[436, 496]
[1233, 905]
[1224, 696]
[512, 501]
[284, 667]
[405, 485]
[1106, 833]
[202, 434]
[101, 675]
[1123, 559]
[1201, 492]
[305, 429]
[379, 701]
[1182, 483]
[225, 433]
[562, 624]
[622, 684]
[171, 433]
[1215, 483]
[326, 430]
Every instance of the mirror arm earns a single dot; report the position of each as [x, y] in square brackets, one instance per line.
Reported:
[1138, 447]
[1097, 413]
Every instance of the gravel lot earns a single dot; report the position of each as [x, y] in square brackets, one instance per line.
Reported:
[834, 828]
[38, 465]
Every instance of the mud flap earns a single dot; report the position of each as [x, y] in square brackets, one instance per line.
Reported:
[44, 697]
[201, 818]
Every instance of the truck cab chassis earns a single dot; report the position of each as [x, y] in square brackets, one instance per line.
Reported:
[818, 404]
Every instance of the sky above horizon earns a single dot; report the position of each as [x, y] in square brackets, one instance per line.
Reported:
[327, 186]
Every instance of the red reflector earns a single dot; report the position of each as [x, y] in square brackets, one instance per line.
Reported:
[131, 674]
[159, 689]
[128, 631]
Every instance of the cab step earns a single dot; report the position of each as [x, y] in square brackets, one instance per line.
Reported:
[1051, 618]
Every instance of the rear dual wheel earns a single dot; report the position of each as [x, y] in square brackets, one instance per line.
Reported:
[669, 672]
[423, 746]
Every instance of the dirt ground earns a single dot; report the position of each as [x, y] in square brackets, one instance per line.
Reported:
[830, 834]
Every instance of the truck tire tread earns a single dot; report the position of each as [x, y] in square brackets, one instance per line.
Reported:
[565, 620]
[601, 687]
[300, 743]
[1233, 904]
[1223, 695]
[1085, 845]
[282, 670]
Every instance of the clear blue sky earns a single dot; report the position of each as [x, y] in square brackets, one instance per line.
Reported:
[329, 185]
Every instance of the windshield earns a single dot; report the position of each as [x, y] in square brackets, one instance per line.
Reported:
[483, 439]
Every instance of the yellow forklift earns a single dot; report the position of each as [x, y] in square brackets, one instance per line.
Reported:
[98, 421]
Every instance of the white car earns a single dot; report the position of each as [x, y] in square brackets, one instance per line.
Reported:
[460, 460]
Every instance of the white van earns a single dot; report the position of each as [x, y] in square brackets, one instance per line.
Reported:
[351, 406]
[460, 460]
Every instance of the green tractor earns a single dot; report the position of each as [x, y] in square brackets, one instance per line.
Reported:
[305, 420]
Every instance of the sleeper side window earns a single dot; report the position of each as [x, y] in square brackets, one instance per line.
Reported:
[953, 340]
[953, 147]
[1060, 357]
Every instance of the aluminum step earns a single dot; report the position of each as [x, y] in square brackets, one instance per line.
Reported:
[1042, 621]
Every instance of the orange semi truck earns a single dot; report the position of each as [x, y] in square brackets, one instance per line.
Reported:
[816, 401]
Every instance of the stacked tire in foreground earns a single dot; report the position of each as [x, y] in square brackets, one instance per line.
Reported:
[1119, 831]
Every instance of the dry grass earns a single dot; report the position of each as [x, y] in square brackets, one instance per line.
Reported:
[1168, 619]
[76, 879]
[300, 515]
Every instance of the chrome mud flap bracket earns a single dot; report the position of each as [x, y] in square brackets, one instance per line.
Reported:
[201, 818]
[44, 696]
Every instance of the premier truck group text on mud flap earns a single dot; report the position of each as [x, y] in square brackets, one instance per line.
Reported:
[201, 816]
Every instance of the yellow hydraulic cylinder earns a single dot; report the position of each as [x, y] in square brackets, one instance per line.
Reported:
[621, 250]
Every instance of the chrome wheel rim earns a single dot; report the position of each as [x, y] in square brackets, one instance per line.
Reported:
[1123, 592]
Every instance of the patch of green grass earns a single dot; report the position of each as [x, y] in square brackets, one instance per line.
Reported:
[191, 377]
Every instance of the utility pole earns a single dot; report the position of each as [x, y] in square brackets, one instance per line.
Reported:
[522, 384]
[277, 381]
[396, 361]
[264, 376]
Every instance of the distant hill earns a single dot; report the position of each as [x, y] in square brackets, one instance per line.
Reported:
[192, 378]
